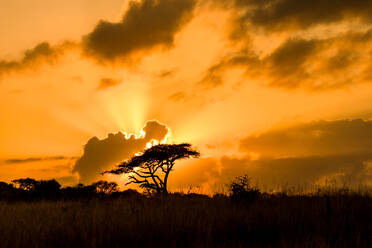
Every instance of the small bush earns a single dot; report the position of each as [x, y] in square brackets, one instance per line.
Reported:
[241, 190]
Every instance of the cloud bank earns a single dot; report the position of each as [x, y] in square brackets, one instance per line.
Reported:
[316, 138]
[305, 154]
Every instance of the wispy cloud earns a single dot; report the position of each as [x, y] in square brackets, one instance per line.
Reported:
[36, 159]
[105, 83]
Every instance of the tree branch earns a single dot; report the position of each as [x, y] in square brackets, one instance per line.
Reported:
[142, 176]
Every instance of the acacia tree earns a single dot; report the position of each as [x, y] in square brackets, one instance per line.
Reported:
[151, 168]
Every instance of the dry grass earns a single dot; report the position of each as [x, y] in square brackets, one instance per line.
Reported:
[322, 220]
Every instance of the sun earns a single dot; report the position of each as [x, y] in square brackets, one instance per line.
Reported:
[152, 143]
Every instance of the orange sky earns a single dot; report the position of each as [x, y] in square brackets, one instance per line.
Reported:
[279, 89]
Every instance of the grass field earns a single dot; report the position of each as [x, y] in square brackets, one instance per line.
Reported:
[319, 220]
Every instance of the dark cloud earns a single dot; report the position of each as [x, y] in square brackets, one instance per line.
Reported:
[310, 64]
[302, 61]
[340, 61]
[36, 159]
[316, 138]
[105, 83]
[41, 50]
[100, 155]
[155, 130]
[30, 58]
[287, 64]
[279, 15]
[245, 59]
[41, 53]
[302, 14]
[146, 24]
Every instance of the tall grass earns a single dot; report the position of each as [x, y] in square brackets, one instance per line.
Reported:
[325, 219]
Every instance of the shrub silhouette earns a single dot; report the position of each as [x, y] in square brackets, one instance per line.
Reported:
[151, 168]
[241, 190]
[105, 187]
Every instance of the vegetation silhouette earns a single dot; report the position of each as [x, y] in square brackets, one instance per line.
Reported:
[29, 189]
[241, 190]
[100, 215]
[151, 168]
[41, 213]
[90, 216]
[105, 187]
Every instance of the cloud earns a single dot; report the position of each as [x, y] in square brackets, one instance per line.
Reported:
[312, 64]
[307, 152]
[100, 155]
[36, 159]
[68, 180]
[300, 171]
[321, 49]
[194, 173]
[166, 73]
[300, 155]
[244, 59]
[316, 139]
[178, 96]
[284, 15]
[145, 25]
[32, 58]
[287, 64]
[105, 83]
[213, 174]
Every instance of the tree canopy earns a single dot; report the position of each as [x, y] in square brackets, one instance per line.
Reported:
[151, 168]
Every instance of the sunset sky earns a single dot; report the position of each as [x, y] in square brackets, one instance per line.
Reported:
[278, 89]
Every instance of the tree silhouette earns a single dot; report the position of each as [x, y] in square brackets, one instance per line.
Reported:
[151, 168]
[28, 184]
[105, 187]
[48, 188]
